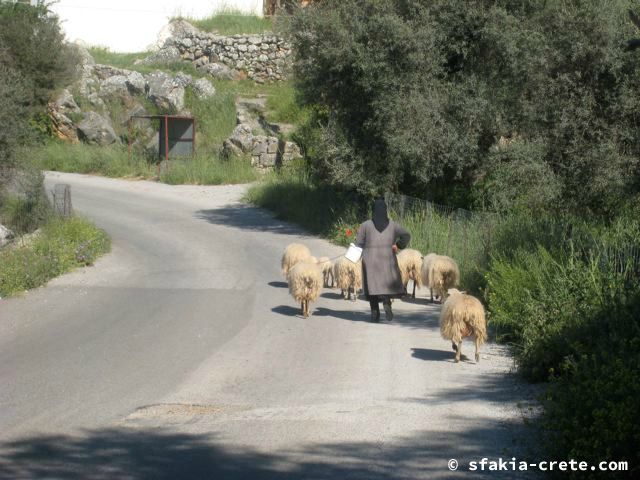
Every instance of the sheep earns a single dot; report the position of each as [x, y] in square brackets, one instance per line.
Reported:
[294, 253]
[463, 316]
[305, 283]
[410, 263]
[443, 274]
[348, 277]
[424, 271]
[327, 271]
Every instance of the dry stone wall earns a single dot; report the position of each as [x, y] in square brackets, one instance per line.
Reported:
[262, 57]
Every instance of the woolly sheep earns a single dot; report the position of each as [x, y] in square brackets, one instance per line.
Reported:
[326, 266]
[424, 271]
[443, 274]
[348, 277]
[294, 253]
[410, 263]
[305, 283]
[463, 316]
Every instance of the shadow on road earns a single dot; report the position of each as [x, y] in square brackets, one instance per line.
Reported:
[287, 310]
[278, 284]
[435, 355]
[160, 454]
[246, 217]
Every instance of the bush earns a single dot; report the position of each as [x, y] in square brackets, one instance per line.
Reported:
[591, 407]
[36, 48]
[545, 303]
[415, 94]
[61, 246]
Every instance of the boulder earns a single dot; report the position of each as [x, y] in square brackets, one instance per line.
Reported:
[203, 88]
[182, 79]
[83, 55]
[62, 126]
[136, 83]
[96, 129]
[6, 235]
[164, 92]
[219, 71]
[167, 54]
[65, 103]
[114, 86]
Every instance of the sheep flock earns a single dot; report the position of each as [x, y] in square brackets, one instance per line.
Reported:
[461, 315]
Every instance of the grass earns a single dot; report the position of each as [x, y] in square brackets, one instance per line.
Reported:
[294, 197]
[115, 162]
[231, 22]
[62, 245]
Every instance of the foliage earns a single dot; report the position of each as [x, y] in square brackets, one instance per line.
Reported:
[545, 303]
[321, 209]
[415, 96]
[36, 48]
[61, 246]
[591, 407]
[229, 21]
[12, 88]
[114, 161]
[27, 210]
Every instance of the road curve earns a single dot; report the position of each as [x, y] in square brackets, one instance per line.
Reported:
[181, 355]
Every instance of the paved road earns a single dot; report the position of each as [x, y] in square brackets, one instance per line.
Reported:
[181, 355]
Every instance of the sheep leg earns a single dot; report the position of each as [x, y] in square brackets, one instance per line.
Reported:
[302, 307]
[431, 290]
[458, 351]
[477, 350]
[414, 289]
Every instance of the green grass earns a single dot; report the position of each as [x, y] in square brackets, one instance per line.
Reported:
[231, 22]
[319, 209]
[61, 246]
[115, 162]
[105, 56]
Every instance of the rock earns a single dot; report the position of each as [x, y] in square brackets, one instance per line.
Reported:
[164, 92]
[203, 88]
[114, 86]
[291, 152]
[84, 55]
[136, 84]
[95, 100]
[103, 72]
[94, 128]
[182, 79]
[65, 103]
[220, 71]
[167, 54]
[6, 235]
[62, 126]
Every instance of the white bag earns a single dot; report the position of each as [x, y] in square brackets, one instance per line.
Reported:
[353, 253]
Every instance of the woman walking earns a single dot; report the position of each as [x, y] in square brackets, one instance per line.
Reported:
[380, 238]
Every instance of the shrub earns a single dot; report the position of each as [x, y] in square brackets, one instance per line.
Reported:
[591, 407]
[545, 304]
[415, 95]
[60, 246]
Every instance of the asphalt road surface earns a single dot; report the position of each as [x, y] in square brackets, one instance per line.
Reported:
[181, 355]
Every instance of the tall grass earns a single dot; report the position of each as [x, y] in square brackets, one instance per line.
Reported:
[321, 209]
[229, 21]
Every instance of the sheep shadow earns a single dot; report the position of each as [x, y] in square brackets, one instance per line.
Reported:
[246, 217]
[278, 284]
[287, 310]
[332, 295]
[430, 355]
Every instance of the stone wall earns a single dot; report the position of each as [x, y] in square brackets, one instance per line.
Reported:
[264, 57]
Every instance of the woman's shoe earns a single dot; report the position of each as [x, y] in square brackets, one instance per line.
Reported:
[388, 312]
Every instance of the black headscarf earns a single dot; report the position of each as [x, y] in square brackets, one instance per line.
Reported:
[379, 217]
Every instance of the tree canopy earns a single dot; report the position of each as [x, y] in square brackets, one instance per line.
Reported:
[489, 102]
